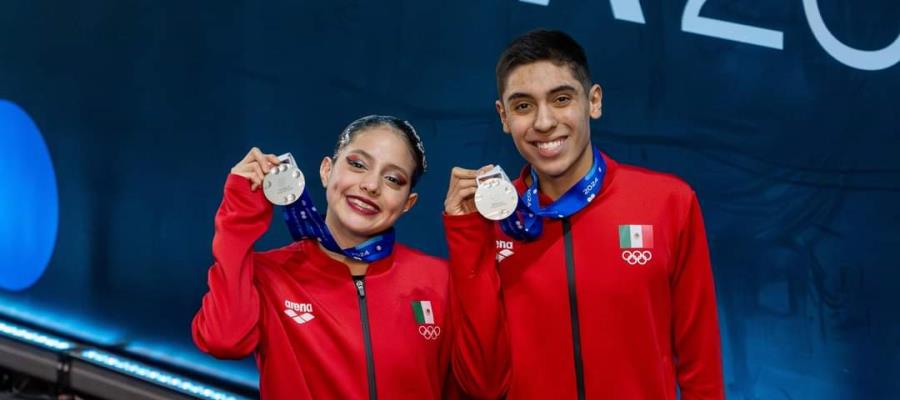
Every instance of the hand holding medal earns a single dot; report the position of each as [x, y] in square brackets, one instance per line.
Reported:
[461, 191]
[490, 192]
[495, 196]
[254, 166]
[284, 183]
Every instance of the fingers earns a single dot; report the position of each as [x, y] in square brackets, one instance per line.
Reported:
[461, 201]
[257, 175]
[273, 159]
[462, 173]
[461, 178]
[248, 157]
[266, 161]
[465, 193]
[254, 166]
[461, 190]
[485, 168]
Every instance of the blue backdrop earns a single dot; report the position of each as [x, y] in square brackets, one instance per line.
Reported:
[783, 115]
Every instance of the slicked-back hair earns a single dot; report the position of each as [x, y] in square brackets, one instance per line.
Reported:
[403, 127]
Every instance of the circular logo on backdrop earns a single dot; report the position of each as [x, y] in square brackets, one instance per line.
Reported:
[29, 206]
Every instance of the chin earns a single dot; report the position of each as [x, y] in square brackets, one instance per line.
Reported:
[359, 228]
[551, 168]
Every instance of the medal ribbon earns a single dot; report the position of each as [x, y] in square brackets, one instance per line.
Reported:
[526, 223]
[304, 222]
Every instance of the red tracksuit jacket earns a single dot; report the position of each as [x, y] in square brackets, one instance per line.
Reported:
[312, 329]
[589, 307]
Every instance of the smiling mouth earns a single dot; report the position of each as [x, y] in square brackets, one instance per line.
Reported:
[362, 205]
[551, 147]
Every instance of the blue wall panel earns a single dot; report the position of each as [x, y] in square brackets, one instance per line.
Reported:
[145, 106]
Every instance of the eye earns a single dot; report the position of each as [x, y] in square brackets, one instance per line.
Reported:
[521, 107]
[395, 180]
[356, 163]
[563, 100]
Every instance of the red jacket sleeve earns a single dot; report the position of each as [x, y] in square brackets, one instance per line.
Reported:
[695, 324]
[481, 354]
[226, 325]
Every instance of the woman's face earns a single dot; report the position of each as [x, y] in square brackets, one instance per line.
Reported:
[368, 185]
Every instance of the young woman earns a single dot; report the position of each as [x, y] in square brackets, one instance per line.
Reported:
[362, 319]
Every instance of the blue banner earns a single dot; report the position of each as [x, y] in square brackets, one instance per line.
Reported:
[781, 114]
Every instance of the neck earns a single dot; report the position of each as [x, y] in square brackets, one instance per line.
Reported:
[341, 235]
[345, 240]
[555, 186]
[355, 267]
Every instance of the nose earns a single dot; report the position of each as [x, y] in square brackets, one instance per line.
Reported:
[370, 184]
[545, 120]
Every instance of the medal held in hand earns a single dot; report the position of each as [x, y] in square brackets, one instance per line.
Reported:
[284, 183]
[495, 197]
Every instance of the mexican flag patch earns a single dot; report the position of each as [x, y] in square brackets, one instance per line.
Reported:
[423, 312]
[636, 236]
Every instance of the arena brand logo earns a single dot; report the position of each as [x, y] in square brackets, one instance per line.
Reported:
[29, 207]
[301, 313]
[504, 249]
[691, 21]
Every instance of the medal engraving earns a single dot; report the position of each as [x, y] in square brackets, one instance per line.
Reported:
[284, 183]
[495, 197]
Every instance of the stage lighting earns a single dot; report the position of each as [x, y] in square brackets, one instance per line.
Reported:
[90, 371]
[122, 378]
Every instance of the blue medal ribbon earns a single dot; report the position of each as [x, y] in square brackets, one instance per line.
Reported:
[527, 222]
[305, 222]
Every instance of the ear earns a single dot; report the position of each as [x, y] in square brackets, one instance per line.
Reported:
[410, 201]
[501, 111]
[325, 170]
[596, 101]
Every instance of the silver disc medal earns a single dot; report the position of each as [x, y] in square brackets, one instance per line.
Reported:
[284, 183]
[495, 196]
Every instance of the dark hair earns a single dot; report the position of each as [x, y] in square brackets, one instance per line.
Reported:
[404, 128]
[543, 45]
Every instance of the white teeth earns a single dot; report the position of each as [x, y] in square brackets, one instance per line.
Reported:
[550, 145]
[362, 204]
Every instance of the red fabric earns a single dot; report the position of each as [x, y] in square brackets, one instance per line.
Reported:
[323, 358]
[644, 328]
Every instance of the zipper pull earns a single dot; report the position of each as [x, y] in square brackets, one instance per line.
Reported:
[360, 288]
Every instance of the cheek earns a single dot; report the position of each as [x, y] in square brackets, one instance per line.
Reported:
[340, 178]
[577, 120]
[336, 184]
[394, 203]
[518, 130]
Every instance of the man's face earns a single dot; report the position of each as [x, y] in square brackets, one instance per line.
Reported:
[547, 112]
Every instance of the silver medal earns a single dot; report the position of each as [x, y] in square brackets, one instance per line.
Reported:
[284, 183]
[495, 197]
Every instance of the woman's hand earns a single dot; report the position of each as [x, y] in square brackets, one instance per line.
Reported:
[255, 166]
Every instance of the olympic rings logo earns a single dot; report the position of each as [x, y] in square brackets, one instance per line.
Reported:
[429, 332]
[636, 257]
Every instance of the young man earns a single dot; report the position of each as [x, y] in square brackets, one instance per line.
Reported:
[600, 285]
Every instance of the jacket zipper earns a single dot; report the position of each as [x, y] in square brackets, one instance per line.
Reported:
[573, 307]
[367, 337]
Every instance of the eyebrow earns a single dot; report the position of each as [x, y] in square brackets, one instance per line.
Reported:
[560, 88]
[369, 157]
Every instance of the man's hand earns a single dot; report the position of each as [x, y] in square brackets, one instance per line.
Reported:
[461, 193]
[255, 166]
